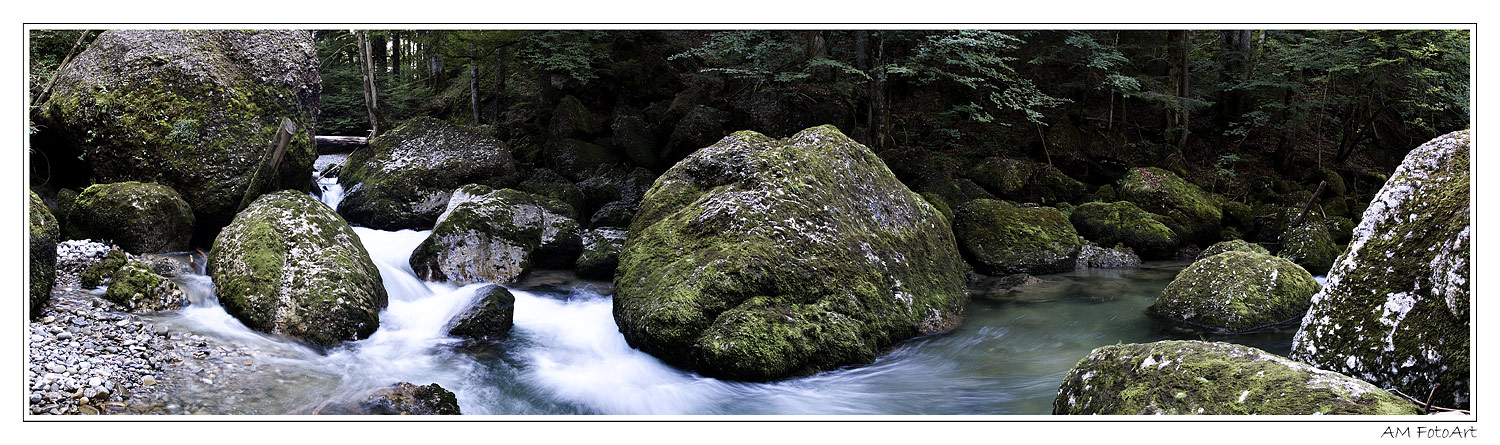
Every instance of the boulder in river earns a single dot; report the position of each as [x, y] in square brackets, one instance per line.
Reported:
[289, 265]
[1195, 213]
[96, 273]
[194, 110]
[139, 217]
[404, 179]
[1236, 292]
[136, 288]
[1122, 222]
[759, 259]
[1310, 246]
[489, 319]
[1001, 238]
[1194, 377]
[1234, 245]
[601, 253]
[1396, 308]
[43, 237]
[401, 398]
[497, 236]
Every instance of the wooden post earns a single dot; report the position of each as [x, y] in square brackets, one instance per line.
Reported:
[367, 67]
[266, 177]
[1309, 204]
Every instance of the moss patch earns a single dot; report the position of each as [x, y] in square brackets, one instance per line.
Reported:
[1164, 193]
[1236, 291]
[1001, 238]
[1122, 222]
[138, 217]
[42, 234]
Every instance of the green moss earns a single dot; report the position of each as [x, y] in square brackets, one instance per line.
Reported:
[96, 273]
[1001, 238]
[1236, 245]
[1164, 193]
[139, 217]
[1108, 224]
[1191, 377]
[1236, 291]
[137, 289]
[1026, 181]
[43, 236]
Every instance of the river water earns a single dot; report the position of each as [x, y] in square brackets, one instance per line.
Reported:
[566, 355]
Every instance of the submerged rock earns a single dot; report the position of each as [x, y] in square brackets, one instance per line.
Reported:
[489, 319]
[1193, 211]
[1122, 222]
[401, 398]
[601, 253]
[1396, 308]
[497, 236]
[194, 110]
[1235, 245]
[288, 265]
[1194, 377]
[136, 288]
[138, 217]
[1236, 292]
[404, 179]
[1001, 238]
[43, 237]
[759, 259]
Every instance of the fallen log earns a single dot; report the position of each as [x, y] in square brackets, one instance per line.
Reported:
[339, 144]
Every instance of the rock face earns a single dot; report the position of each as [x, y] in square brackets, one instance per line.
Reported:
[1091, 256]
[1235, 292]
[1002, 239]
[1194, 377]
[404, 179]
[489, 319]
[138, 217]
[601, 253]
[1124, 223]
[758, 259]
[137, 289]
[43, 236]
[194, 110]
[1236, 245]
[1158, 191]
[1395, 311]
[288, 265]
[497, 236]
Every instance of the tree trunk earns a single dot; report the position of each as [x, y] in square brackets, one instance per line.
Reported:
[367, 69]
[378, 53]
[499, 92]
[396, 57]
[1235, 54]
[880, 120]
[473, 85]
[1178, 75]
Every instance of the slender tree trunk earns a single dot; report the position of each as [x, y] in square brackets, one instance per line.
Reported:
[1178, 73]
[473, 84]
[880, 120]
[1235, 54]
[499, 92]
[367, 68]
[378, 53]
[396, 57]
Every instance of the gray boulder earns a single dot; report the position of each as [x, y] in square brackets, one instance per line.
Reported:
[1001, 238]
[497, 236]
[42, 235]
[1235, 292]
[601, 252]
[138, 217]
[489, 319]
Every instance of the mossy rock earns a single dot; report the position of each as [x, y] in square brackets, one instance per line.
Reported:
[405, 177]
[634, 137]
[601, 253]
[289, 265]
[1234, 245]
[138, 217]
[615, 186]
[1105, 193]
[1001, 238]
[42, 265]
[1340, 229]
[496, 236]
[571, 119]
[401, 398]
[1234, 292]
[1026, 181]
[614, 214]
[578, 160]
[940, 204]
[758, 259]
[97, 273]
[699, 128]
[1238, 215]
[1310, 246]
[1396, 308]
[137, 288]
[194, 110]
[1095, 257]
[1336, 185]
[1122, 222]
[547, 183]
[1195, 377]
[1164, 193]
[489, 319]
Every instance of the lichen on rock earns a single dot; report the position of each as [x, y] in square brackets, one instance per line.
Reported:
[136, 288]
[496, 236]
[1235, 292]
[1194, 377]
[289, 265]
[759, 259]
[1001, 238]
[1396, 307]
[138, 217]
[1234, 245]
[1123, 223]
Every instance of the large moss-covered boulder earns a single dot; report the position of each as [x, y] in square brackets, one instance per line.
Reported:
[1396, 308]
[1163, 193]
[497, 236]
[1026, 181]
[1001, 238]
[43, 236]
[1123, 223]
[489, 319]
[194, 110]
[547, 183]
[136, 288]
[1310, 246]
[289, 265]
[1194, 377]
[601, 252]
[571, 119]
[1236, 291]
[1234, 245]
[138, 217]
[404, 179]
[759, 258]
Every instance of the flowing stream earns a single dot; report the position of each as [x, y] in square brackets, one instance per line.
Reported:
[566, 355]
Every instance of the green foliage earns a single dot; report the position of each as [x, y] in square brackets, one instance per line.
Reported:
[976, 60]
[578, 54]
